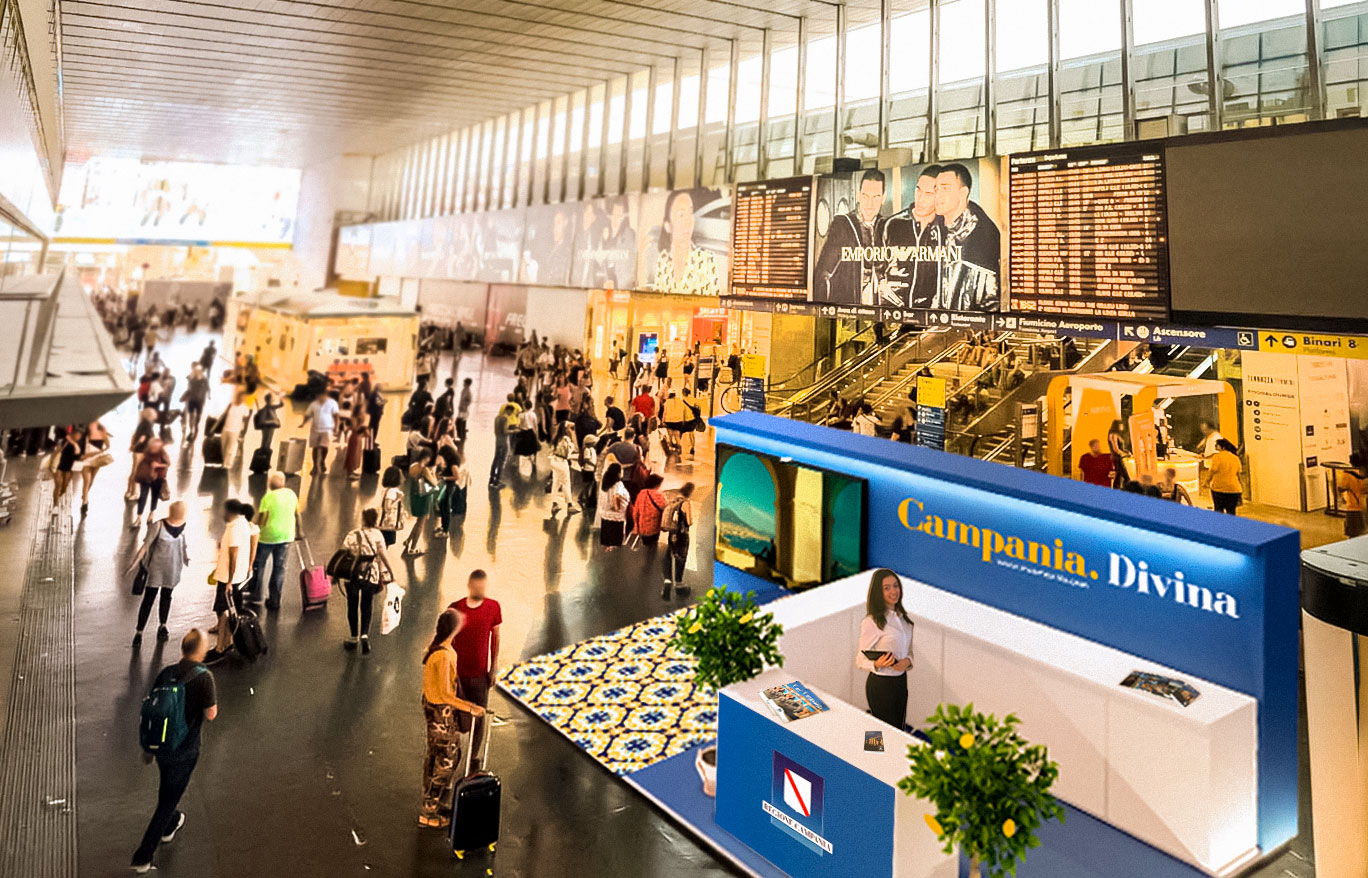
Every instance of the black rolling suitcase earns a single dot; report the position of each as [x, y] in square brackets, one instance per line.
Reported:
[370, 459]
[248, 636]
[476, 802]
[212, 449]
[261, 461]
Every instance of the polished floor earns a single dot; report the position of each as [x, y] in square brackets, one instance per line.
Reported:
[313, 765]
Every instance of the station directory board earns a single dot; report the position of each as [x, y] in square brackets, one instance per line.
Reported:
[1088, 233]
[771, 239]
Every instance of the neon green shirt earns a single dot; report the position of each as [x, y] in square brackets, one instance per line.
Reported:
[278, 509]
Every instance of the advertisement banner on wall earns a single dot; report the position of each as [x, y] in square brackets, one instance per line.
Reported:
[548, 245]
[916, 237]
[684, 239]
[606, 244]
[498, 241]
[505, 318]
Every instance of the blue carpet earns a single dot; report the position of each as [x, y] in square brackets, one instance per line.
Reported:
[674, 783]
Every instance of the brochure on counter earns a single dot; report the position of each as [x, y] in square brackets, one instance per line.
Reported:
[1165, 687]
[792, 701]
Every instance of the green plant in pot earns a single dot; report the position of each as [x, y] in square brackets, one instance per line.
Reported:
[732, 641]
[989, 786]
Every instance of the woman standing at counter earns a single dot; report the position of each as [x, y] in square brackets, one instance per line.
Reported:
[1226, 490]
[887, 630]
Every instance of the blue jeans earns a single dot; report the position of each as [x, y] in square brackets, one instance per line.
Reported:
[267, 551]
[175, 777]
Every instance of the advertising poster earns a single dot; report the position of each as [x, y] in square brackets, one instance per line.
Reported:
[606, 244]
[131, 201]
[462, 258]
[548, 245]
[505, 317]
[498, 243]
[916, 237]
[685, 235]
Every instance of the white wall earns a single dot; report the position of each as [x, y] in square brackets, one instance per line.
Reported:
[557, 314]
[341, 183]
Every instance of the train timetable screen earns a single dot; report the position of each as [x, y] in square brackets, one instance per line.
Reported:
[771, 233]
[1088, 234]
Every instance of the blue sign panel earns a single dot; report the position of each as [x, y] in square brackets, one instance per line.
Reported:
[1209, 595]
[931, 427]
[1165, 334]
[753, 394]
[803, 809]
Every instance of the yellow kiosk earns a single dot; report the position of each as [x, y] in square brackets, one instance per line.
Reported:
[326, 332]
[1097, 402]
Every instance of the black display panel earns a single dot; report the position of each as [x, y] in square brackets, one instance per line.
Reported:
[1088, 233]
[1268, 226]
[771, 228]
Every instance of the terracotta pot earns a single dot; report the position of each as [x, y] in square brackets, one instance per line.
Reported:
[706, 763]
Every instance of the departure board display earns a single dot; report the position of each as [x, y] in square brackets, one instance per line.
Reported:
[771, 224]
[1088, 234]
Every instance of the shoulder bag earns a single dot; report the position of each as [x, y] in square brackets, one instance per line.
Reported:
[140, 577]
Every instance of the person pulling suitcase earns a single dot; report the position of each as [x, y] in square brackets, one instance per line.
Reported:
[476, 800]
[442, 706]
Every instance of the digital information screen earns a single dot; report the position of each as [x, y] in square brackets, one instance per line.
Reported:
[771, 228]
[1088, 233]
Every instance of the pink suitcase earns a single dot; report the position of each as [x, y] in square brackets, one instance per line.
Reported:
[314, 585]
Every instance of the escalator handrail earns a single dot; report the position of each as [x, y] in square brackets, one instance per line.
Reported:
[775, 385]
[831, 379]
[936, 360]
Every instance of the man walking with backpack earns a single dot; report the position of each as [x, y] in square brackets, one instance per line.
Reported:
[182, 698]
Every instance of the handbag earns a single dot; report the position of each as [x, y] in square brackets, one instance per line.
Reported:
[394, 605]
[140, 577]
[104, 458]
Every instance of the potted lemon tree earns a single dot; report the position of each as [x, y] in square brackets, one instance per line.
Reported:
[731, 641]
[989, 786]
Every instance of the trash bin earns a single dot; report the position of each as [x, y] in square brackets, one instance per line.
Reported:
[1334, 582]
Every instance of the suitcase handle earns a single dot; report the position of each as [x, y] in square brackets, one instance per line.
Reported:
[475, 724]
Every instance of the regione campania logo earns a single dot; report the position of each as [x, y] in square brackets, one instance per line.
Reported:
[797, 803]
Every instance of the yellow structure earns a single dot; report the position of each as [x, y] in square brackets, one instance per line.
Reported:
[1097, 401]
[324, 331]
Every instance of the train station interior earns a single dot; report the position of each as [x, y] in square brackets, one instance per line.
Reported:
[908, 438]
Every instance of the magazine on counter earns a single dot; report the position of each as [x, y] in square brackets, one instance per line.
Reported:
[874, 742]
[1165, 687]
[792, 701]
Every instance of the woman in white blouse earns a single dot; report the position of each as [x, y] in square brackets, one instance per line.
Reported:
[887, 631]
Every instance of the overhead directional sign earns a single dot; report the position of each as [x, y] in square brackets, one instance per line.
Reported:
[1278, 341]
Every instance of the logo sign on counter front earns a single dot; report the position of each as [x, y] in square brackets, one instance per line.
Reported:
[797, 802]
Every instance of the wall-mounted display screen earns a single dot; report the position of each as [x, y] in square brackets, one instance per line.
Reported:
[548, 245]
[795, 525]
[132, 201]
[914, 237]
[1271, 224]
[685, 235]
[771, 226]
[1088, 232]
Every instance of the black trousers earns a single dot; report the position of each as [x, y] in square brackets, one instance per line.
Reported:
[145, 609]
[887, 697]
[1225, 501]
[175, 777]
[360, 602]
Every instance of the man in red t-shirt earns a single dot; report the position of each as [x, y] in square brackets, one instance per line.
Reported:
[1096, 465]
[477, 642]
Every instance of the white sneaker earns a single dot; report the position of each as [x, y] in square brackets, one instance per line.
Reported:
[171, 836]
[142, 869]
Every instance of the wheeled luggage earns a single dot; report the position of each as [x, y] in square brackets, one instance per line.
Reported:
[261, 461]
[314, 585]
[212, 449]
[292, 452]
[248, 637]
[476, 801]
[370, 460]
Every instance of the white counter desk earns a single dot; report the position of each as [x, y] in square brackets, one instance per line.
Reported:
[861, 799]
[1183, 779]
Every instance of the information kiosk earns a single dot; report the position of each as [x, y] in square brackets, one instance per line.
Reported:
[1050, 599]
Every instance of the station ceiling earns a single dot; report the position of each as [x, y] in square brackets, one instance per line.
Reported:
[288, 82]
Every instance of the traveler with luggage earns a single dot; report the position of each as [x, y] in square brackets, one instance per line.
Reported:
[441, 703]
[150, 476]
[182, 698]
[267, 420]
[232, 569]
[231, 426]
[365, 542]
[677, 520]
[359, 441]
[391, 504]
[159, 564]
[454, 489]
[280, 524]
[323, 413]
[422, 489]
